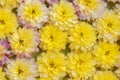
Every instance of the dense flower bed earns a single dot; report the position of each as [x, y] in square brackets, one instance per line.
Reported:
[59, 39]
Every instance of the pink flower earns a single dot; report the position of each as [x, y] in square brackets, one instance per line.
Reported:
[4, 53]
[4, 43]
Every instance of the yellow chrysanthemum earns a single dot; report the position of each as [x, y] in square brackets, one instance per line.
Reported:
[82, 36]
[21, 69]
[105, 76]
[8, 22]
[33, 11]
[63, 15]
[108, 26]
[24, 41]
[2, 75]
[51, 65]
[90, 8]
[106, 54]
[52, 38]
[80, 66]
[9, 3]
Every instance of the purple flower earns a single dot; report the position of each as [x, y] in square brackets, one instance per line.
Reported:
[4, 43]
[4, 53]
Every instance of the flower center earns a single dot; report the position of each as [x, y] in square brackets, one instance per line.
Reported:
[109, 24]
[80, 62]
[21, 42]
[107, 52]
[87, 2]
[81, 34]
[20, 71]
[2, 23]
[52, 65]
[51, 37]
[33, 12]
[63, 12]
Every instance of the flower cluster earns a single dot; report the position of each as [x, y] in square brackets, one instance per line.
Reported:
[59, 39]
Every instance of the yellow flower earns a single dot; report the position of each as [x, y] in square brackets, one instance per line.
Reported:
[9, 3]
[2, 75]
[63, 15]
[91, 8]
[8, 22]
[80, 66]
[33, 11]
[52, 38]
[24, 41]
[106, 54]
[51, 65]
[105, 75]
[21, 69]
[108, 26]
[82, 36]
